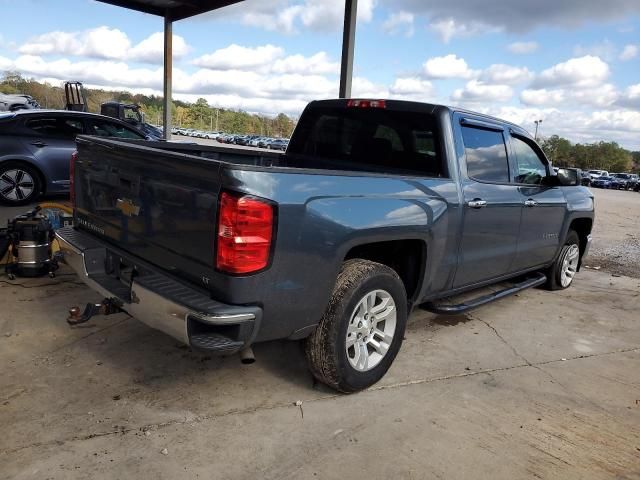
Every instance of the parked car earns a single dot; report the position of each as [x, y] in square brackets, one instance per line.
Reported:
[264, 141]
[12, 103]
[278, 144]
[633, 181]
[334, 242]
[598, 173]
[619, 181]
[585, 178]
[36, 145]
[624, 181]
[602, 182]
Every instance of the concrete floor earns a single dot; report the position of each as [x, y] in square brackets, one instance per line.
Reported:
[541, 385]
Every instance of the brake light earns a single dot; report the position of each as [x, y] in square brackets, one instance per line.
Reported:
[72, 178]
[245, 231]
[367, 104]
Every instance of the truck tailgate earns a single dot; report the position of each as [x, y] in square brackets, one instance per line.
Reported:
[157, 205]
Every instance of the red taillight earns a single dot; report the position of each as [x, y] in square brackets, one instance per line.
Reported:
[245, 231]
[72, 178]
[367, 104]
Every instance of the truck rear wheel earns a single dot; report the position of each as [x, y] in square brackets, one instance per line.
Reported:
[560, 275]
[362, 329]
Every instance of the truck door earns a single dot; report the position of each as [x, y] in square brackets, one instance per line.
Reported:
[492, 203]
[544, 206]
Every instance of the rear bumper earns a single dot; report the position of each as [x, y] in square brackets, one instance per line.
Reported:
[159, 300]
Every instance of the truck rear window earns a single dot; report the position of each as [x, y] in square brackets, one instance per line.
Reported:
[370, 139]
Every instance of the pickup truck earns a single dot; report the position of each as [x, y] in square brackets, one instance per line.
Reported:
[376, 207]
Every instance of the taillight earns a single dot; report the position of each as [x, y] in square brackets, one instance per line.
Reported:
[72, 178]
[245, 231]
[367, 104]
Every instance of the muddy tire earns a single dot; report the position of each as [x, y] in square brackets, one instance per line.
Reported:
[561, 274]
[362, 328]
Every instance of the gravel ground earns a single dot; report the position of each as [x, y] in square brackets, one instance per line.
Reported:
[616, 243]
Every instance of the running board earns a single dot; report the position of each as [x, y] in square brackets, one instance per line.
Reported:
[443, 308]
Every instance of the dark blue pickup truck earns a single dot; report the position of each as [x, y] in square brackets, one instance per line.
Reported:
[376, 207]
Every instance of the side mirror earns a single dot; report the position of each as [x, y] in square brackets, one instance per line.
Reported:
[568, 177]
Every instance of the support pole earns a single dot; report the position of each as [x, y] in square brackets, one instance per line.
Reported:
[168, 74]
[348, 43]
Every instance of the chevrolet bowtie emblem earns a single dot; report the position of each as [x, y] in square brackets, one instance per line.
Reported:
[127, 207]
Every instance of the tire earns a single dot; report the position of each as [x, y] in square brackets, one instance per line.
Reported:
[20, 183]
[349, 369]
[560, 275]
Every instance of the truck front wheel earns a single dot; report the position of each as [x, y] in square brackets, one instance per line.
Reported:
[560, 275]
[362, 329]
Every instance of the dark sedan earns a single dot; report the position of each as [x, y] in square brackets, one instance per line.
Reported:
[36, 145]
[602, 182]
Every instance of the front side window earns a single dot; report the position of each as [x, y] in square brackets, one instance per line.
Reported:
[531, 168]
[486, 154]
[55, 127]
[108, 129]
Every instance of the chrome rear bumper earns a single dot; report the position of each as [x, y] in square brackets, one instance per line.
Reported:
[159, 300]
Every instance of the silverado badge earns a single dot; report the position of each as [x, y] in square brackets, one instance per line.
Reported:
[127, 207]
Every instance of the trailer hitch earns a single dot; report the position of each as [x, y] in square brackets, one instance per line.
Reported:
[106, 307]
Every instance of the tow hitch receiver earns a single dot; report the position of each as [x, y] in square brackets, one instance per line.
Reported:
[107, 307]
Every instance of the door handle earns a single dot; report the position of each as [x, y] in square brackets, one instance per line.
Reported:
[530, 203]
[477, 203]
[39, 144]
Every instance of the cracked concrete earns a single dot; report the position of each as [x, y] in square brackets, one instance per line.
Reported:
[541, 385]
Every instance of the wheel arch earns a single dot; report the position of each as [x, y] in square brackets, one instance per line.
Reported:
[408, 257]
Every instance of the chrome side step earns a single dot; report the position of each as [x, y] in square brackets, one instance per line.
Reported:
[446, 306]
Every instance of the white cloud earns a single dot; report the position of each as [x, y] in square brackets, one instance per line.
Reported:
[523, 48]
[265, 59]
[519, 16]
[629, 52]
[479, 92]
[238, 57]
[506, 74]
[103, 43]
[412, 88]
[365, 88]
[292, 17]
[605, 49]
[5, 63]
[601, 96]
[318, 63]
[583, 72]
[151, 49]
[399, 23]
[449, 66]
[542, 97]
[629, 99]
[448, 28]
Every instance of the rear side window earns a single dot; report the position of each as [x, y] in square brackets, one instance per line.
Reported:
[374, 139]
[486, 154]
[55, 127]
[109, 129]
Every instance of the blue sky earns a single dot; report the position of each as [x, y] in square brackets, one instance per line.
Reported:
[574, 64]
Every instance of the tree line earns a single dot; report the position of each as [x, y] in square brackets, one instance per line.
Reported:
[590, 156]
[199, 115]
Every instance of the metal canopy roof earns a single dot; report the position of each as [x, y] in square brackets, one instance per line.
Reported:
[172, 9]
